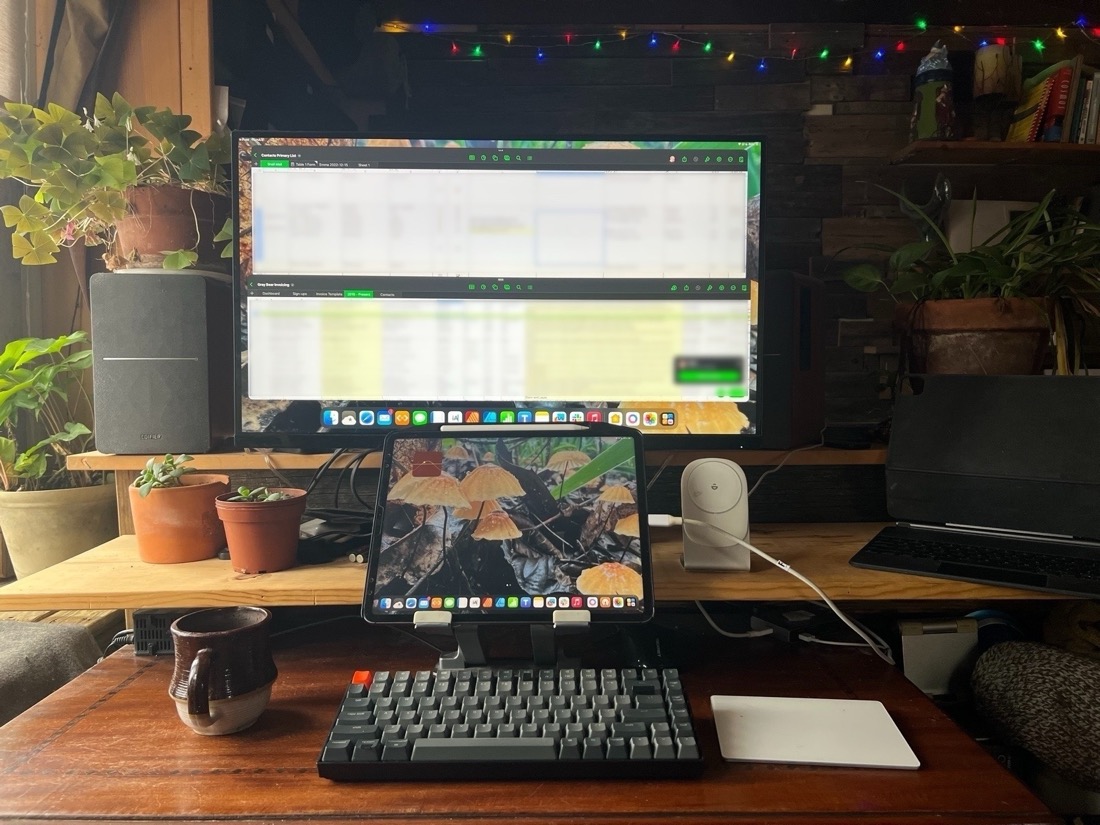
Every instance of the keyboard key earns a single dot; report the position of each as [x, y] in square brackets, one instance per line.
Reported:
[492, 750]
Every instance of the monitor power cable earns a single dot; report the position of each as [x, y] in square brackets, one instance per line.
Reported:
[880, 648]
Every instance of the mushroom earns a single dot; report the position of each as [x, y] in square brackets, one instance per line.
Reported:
[440, 490]
[628, 526]
[457, 451]
[477, 509]
[567, 461]
[490, 481]
[610, 579]
[497, 526]
[616, 494]
[400, 487]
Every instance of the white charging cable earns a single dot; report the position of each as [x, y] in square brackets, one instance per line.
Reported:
[881, 649]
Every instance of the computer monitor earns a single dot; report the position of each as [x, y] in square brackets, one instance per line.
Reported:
[397, 281]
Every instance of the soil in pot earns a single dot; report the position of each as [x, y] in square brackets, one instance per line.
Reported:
[179, 524]
[263, 536]
[974, 336]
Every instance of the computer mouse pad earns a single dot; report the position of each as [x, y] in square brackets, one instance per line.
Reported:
[850, 732]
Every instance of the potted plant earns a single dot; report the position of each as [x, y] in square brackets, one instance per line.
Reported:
[993, 308]
[136, 180]
[261, 527]
[175, 519]
[47, 514]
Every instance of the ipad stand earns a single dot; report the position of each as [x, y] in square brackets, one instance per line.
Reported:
[471, 653]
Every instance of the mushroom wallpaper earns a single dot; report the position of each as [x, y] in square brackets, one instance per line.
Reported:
[483, 523]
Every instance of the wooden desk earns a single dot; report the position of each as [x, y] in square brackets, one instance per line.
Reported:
[112, 576]
[108, 747]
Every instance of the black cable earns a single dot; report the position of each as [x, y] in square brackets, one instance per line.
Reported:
[51, 51]
[108, 45]
[324, 466]
[355, 492]
[120, 639]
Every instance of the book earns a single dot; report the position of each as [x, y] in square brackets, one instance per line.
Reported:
[1028, 117]
[1091, 123]
[1057, 104]
[1082, 119]
[1071, 123]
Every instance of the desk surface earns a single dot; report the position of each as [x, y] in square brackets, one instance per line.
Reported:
[108, 747]
[112, 576]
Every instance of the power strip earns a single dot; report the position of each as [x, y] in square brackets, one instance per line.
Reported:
[153, 630]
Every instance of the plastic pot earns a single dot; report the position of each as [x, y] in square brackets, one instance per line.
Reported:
[263, 535]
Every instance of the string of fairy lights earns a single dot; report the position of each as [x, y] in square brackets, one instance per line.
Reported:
[466, 43]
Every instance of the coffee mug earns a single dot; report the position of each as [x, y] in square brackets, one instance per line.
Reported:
[224, 670]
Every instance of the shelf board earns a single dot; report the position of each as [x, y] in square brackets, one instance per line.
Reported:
[205, 462]
[996, 153]
[111, 576]
[264, 460]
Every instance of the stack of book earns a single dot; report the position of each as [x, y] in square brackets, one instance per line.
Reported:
[1061, 104]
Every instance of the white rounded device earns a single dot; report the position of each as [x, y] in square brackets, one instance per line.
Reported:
[714, 491]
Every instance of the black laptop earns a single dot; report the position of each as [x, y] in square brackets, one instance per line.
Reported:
[995, 479]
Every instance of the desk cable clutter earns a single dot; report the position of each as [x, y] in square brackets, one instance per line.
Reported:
[715, 498]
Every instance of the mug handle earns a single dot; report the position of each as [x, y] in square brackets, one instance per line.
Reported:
[198, 683]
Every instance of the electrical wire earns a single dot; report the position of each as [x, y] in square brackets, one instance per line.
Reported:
[789, 453]
[120, 639]
[275, 470]
[748, 634]
[661, 469]
[323, 468]
[880, 648]
[354, 490]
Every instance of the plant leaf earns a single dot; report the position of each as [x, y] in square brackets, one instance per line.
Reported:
[180, 259]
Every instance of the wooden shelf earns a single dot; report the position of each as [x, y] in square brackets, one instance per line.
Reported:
[997, 153]
[264, 460]
[208, 462]
[112, 576]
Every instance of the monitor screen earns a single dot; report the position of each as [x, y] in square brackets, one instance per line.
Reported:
[390, 282]
[510, 524]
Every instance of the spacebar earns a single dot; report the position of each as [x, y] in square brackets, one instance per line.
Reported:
[486, 749]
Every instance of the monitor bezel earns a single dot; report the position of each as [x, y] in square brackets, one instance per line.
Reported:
[360, 440]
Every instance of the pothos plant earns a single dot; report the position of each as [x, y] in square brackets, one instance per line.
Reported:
[1049, 253]
[78, 169]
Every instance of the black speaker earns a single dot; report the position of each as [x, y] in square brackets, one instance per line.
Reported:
[162, 361]
[792, 360]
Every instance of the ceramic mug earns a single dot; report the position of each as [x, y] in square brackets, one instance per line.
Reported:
[224, 670]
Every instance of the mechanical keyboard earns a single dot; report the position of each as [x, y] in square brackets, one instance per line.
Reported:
[1052, 566]
[499, 723]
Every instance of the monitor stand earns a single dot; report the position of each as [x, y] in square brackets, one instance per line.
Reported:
[471, 653]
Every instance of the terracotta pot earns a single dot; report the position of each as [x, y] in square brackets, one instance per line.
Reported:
[263, 535]
[179, 524]
[164, 219]
[43, 527]
[974, 336]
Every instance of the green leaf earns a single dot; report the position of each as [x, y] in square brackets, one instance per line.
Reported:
[618, 453]
[864, 277]
[117, 171]
[226, 232]
[180, 259]
[39, 249]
